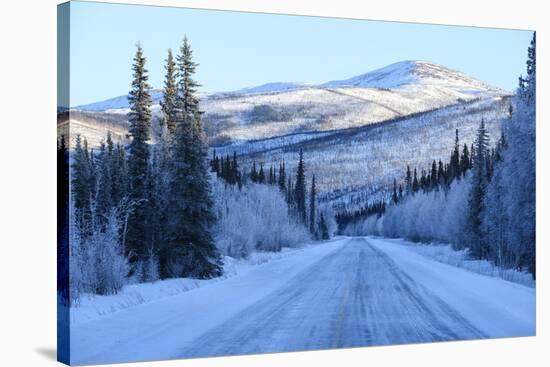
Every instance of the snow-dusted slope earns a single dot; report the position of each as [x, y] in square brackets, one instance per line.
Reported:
[272, 88]
[276, 109]
[414, 72]
[356, 165]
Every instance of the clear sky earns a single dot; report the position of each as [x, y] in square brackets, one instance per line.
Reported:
[237, 50]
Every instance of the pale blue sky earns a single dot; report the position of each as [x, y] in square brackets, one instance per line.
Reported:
[237, 50]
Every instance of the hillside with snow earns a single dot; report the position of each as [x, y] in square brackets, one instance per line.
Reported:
[276, 109]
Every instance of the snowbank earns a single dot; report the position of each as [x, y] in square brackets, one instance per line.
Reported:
[444, 253]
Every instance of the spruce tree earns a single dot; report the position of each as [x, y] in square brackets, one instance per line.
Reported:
[187, 87]
[90, 161]
[169, 94]
[464, 160]
[440, 173]
[63, 223]
[300, 188]
[227, 170]
[213, 166]
[423, 180]
[81, 186]
[415, 184]
[323, 228]
[119, 173]
[222, 172]
[312, 205]
[235, 172]
[282, 177]
[261, 174]
[254, 173]
[528, 85]
[289, 192]
[408, 181]
[477, 192]
[433, 175]
[271, 180]
[454, 165]
[191, 249]
[395, 196]
[104, 199]
[138, 161]
[158, 191]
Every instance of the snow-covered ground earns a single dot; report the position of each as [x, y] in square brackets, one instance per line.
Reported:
[91, 307]
[444, 253]
[346, 292]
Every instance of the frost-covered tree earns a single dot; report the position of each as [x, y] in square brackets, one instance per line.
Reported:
[495, 221]
[98, 262]
[138, 161]
[254, 218]
[510, 214]
[110, 264]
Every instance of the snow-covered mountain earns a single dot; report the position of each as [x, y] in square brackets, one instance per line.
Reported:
[414, 72]
[363, 130]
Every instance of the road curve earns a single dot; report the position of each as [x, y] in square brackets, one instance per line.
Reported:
[356, 296]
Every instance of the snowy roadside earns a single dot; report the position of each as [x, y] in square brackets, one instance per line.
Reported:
[445, 254]
[178, 319]
[92, 307]
[497, 307]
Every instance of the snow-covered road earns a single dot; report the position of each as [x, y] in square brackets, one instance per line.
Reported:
[348, 292]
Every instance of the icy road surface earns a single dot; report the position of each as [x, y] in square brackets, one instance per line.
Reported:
[345, 293]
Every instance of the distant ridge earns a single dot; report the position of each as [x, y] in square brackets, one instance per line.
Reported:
[397, 75]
